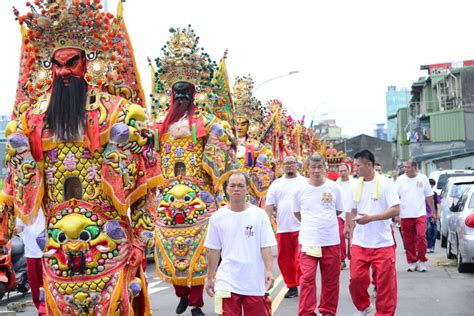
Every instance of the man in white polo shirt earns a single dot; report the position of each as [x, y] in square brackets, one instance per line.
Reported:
[344, 181]
[241, 235]
[34, 256]
[375, 202]
[279, 198]
[414, 189]
[318, 201]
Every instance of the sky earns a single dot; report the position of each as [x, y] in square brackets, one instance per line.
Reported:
[346, 52]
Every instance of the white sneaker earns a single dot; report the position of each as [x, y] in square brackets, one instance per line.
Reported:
[421, 266]
[365, 311]
[412, 267]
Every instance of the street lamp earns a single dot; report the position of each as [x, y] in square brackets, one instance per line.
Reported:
[277, 77]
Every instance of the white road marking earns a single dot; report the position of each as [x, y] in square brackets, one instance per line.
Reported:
[153, 289]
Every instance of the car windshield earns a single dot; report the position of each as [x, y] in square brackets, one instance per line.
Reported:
[444, 178]
[471, 202]
[458, 189]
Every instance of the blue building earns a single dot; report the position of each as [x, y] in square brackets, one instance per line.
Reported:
[395, 100]
[380, 132]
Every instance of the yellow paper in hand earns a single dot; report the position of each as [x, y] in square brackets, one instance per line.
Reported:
[313, 251]
[219, 301]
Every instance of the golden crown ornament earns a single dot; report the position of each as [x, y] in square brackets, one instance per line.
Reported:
[246, 106]
[183, 60]
[52, 25]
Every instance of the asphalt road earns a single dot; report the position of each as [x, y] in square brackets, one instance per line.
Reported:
[440, 291]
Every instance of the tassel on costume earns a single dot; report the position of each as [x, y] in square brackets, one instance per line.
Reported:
[193, 132]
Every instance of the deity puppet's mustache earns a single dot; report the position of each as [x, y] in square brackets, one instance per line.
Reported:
[66, 113]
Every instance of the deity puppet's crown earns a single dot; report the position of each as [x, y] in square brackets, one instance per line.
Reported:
[183, 60]
[52, 25]
[246, 106]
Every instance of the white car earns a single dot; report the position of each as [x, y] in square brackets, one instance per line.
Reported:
[452, 191]
[461, 236]
[441, 177]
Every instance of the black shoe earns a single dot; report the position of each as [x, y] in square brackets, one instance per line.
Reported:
[183, 304]
[197, 312]
[292, 292]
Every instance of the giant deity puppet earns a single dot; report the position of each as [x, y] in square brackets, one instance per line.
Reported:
[254, 158]
[196, 153]
[84, 156]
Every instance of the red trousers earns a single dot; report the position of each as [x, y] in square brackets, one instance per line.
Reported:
[382, 261]
[343, 245]
[414, 238]
[288, 258]
[252, 305]
[330, 263]
[193, 293]
[35, 278]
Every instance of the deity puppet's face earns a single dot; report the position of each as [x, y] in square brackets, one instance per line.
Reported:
[66, 111]
[183, 94]
[68, 62]
[242, 127]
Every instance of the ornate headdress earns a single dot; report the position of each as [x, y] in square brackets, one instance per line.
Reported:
[246, 106]
[52, 25]
[183, 60]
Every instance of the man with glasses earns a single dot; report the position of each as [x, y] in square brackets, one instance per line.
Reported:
[241, 235]
[280, 199]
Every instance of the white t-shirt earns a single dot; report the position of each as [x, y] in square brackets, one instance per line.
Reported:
[375, 234]
[413, 193]
[318, 206]
[280, 194]
[240, 236]
[346, 191]
[29, 234]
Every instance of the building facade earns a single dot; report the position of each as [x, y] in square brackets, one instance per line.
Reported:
[395, 100]
[380, 131]
[383, 150]
[328, 130]
[439, 131]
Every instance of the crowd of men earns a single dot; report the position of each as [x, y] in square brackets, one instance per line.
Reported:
[316, 220]
[319, 222]
[85, 162]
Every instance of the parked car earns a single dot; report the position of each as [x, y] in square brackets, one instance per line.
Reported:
[441, 177]
[460, 236]
[452, 191]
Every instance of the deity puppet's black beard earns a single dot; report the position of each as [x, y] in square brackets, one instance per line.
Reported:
[66, 113]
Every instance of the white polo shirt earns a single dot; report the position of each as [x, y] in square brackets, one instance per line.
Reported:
[280, 194]
[375, 234]
[346, 191]
[318, 206]
[413, 193]
[240, 236]
[29, 234]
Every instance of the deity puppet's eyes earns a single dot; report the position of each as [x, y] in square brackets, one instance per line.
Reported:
[58, 235]
[170, 198]
[87, 234]
[189, 197]
[69, 63]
